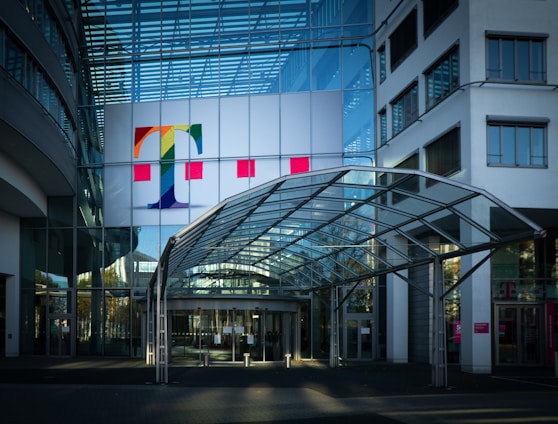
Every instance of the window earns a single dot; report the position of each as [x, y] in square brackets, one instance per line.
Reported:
[15, 60]
[405, 109]
[434, 12]
[383, 126]
[412, 162]
[443, 155]
[382, 62]
[410, 184]
[403, 40]
[443, 78]
[517, 144]
[516, 58]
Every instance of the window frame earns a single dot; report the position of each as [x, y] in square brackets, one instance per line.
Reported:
[515, 124]
[400, 47]
[445, 137]
[412, 184]
[408, 96]
[441, 14]
[410, 162]
[382, 63]
[501, 69]
[454, 81]
[382, 118]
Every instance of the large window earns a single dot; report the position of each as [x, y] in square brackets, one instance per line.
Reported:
[517, 144]
[442, 79]
[403, 40]
[383, 126]
[443, 156]
[412, 162]
[382, 62]
[411, 185]
[434, 13]
[14, 61]
[405, 109]
[516, 58]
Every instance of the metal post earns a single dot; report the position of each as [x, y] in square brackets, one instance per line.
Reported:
[165, 339]
[334, 331]
[439, 358]
[161, 374]
[288, 360]
[157, 347]
[149, 329]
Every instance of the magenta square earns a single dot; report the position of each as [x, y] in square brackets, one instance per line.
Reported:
[299, 165]
[142, 172]
[246, 168]
[194, 171]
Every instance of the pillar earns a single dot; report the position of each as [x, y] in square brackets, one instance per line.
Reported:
[476, 317]
[397, 319]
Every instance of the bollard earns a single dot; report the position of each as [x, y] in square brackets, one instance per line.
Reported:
[246, 359]
[288, 360]
[206, 359]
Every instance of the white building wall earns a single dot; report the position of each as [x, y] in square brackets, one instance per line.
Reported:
[469, 107]
[24, 198]
[9, 266]
[518, 187]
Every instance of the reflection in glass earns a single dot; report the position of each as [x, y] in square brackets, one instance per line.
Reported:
[60, 257]
[89, 322]
[117, 323]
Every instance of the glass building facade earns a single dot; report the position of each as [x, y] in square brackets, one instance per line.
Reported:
[137, 118]
[251, 91]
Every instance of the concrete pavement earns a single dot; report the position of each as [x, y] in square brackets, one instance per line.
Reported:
[47, 390]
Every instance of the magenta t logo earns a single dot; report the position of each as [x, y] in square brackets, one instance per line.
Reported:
[168, 198]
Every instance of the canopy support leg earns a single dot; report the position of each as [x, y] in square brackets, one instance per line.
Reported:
[439, 356]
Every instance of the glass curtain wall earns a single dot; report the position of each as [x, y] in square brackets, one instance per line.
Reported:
[524, 295]
[82, 288]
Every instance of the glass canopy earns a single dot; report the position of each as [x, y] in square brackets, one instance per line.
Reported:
[339, 226]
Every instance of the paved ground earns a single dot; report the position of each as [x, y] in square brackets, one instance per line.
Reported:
[43, 390]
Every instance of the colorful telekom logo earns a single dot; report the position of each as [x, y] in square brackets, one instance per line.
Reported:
[142, 172]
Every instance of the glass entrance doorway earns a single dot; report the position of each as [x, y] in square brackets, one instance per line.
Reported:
[59, 337]
[59, 319]
[227, 334]
[519, 335]
[358, 342]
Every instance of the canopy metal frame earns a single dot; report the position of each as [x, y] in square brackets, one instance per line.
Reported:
[380, 220]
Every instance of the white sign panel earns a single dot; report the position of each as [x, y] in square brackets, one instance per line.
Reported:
[166, 163]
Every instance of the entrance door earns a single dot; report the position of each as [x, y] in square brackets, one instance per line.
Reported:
[59, 337]
[358, 340]
[59, 319]
[227, 334]
[519, 334]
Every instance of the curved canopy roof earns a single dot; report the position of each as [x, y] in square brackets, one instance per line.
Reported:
[342, 225]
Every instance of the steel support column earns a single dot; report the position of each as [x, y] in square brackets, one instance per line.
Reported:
[334, 329]
[439, 357]
[161, 339]
[149, 359]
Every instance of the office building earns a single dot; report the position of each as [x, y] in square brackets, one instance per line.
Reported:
[161, 147]
[467, 90]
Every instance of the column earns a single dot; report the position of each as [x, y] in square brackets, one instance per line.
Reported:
[476, 317]
[397, 319]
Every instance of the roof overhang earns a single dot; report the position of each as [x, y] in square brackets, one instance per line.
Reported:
[339, 226]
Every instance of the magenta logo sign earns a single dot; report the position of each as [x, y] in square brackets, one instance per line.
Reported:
[142, 172]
